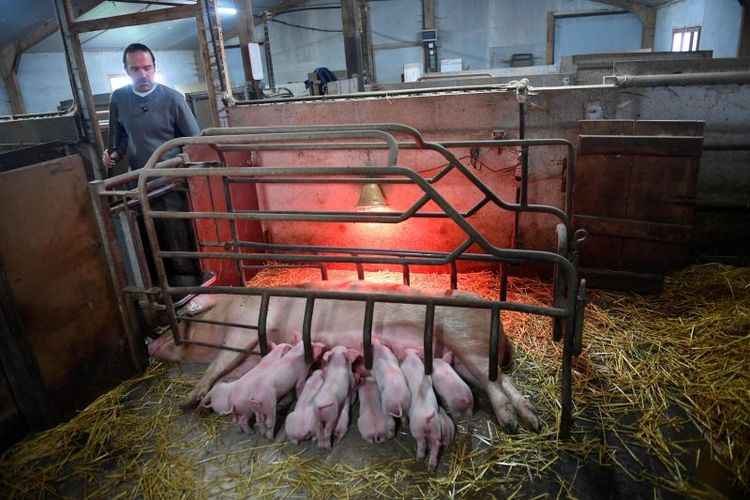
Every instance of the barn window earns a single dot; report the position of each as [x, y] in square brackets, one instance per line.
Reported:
[686, 39]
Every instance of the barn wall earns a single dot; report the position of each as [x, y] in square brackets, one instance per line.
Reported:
[554, 113]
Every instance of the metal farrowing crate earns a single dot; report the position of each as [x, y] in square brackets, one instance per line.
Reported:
[111, 204]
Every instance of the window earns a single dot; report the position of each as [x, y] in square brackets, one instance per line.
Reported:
[117, 81]
[686, 39]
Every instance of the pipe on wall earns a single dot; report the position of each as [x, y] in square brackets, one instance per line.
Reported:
[718, 78]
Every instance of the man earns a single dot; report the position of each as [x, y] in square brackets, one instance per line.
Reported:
[144, 115]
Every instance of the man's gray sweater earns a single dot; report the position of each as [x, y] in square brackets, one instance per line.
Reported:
[138, 125]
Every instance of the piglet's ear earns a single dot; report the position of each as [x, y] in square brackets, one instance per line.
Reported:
[326, 355]
[352, 355]
[448, 357]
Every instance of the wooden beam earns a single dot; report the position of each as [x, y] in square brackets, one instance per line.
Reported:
[744, 45]
[40, 32]
[80, 85]
[13, 90]
[148, 17]
[550, 38]
[429, 49]
[246, 27]
[352, 45]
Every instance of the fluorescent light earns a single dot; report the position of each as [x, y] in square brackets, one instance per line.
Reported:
[229, 11]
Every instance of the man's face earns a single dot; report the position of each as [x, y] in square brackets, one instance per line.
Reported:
[141, 70]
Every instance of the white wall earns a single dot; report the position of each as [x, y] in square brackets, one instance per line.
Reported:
[719, 21]
[43, 76]
[468, 29]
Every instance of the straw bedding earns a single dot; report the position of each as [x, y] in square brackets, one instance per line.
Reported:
[662, 394]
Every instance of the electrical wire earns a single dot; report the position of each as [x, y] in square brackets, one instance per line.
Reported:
[300, 26]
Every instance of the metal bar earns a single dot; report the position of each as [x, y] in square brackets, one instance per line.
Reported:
[439, 259]
[429, 327]
[233, 226]
[430, 194]
[384, 93]
[103, 223]
[367, 333]
[262, 319]
[354, 259]
[407, 274]
[494, 342]
[345, 250]
[454, 276]
[307, 180]
[718, 78]
[306, 329]
[213, 322]
[503, 281]
[524, 154]
[215, 346]
[275, 136]
[385, 298]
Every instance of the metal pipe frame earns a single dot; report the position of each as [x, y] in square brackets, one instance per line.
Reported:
[567, 306]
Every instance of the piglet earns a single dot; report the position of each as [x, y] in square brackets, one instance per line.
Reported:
[425, 422]
[281, 377]
[334, 396]
[375, 426]
[244, 388]
[454, 394]
[300, 424]
[394, 391]
[218, 397]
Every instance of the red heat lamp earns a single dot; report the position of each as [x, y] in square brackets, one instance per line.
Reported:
[371, 198]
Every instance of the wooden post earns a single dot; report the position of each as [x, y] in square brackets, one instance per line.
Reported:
[550, 38]
[429, 49]
[14, 92]
[212, 51]
[744, 45]
[352, 43]
[79, 81]
[363, 28]
[246, 30]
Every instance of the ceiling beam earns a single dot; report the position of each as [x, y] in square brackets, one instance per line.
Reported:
[138, 18]
[10, 53]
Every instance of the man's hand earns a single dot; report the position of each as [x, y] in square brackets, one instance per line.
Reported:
[110, 158]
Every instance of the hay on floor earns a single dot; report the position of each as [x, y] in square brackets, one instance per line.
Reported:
[651, 365]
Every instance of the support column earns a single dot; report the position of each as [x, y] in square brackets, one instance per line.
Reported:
[13, 90]
[247, 35]
[211, 44]
[79, 83]
[352, 41]
[744, 46]
[429, 47]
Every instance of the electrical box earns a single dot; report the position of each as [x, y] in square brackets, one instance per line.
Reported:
[429, 36]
